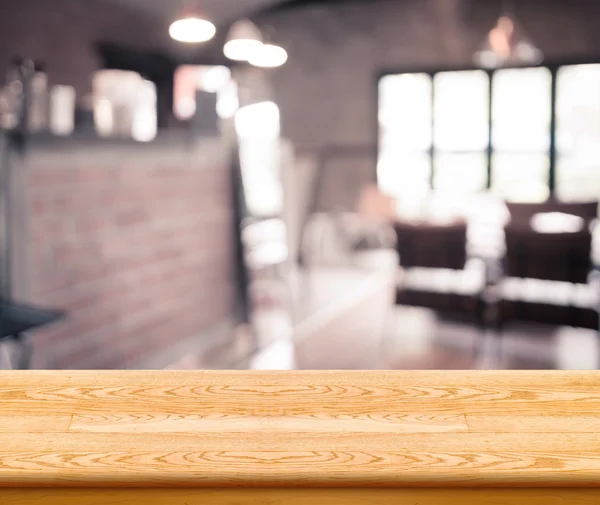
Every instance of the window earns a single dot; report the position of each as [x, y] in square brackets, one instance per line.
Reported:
[521, 112]
[578, 132]
[461, 132]
[191, 78]
[257, 127]
[404, 166]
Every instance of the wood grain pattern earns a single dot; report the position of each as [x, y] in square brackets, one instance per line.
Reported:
[300, 497]
[314, 423]
[301, 442]
[533, 424]
[301, 429]
[33, 423]
[497, 378]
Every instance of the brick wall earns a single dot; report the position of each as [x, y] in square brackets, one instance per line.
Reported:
[135, 243]
[61, 33]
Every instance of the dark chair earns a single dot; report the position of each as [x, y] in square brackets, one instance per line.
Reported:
[521, 213]
[432, 246]
[557, 257]
[561, 257]
[532, 257]
[433, 258]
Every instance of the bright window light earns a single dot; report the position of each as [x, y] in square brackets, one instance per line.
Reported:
[213, 79]
[228, 101]
[189, 79]
[259, 120]
[145, 124]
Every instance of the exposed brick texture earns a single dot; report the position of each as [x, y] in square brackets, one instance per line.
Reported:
[135, 244]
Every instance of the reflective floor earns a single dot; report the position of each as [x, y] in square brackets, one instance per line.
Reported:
[343, 317]
[412, 338]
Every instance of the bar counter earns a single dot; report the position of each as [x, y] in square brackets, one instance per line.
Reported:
[291, 438]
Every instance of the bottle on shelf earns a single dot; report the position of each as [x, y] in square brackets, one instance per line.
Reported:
[37, 103]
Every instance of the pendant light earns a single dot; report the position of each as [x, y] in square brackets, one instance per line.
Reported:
[243, 40]
[245, 43]
[507, 44]
[269, 56]
[191, 27]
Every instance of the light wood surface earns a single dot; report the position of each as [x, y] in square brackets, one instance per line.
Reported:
[300, 497]
[456, 430]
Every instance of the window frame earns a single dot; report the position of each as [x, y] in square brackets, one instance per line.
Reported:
[552, 66]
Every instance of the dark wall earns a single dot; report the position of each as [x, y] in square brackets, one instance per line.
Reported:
[62, 33]
[326, 91]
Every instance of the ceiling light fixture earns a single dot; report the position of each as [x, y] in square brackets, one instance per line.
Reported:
[507, 44]
[243, 40]
[268, 56]
[191, 27]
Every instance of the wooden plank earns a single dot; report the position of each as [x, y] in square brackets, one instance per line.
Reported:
[310, 468]
[533, 424]
[555, 379]
[275, 399]
[300, 496]
[291, 442]
[301, 429]
[426, 408]
[33, 423]
[309, 423]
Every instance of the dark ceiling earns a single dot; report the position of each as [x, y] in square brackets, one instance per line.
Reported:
[221, 12]
[218, 11]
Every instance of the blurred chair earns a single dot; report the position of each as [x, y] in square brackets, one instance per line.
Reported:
[521, 213]
[547, 272]
[435, 270]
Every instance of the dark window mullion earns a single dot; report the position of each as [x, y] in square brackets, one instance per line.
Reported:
[552, 171]
[432, 148]
[490, 149]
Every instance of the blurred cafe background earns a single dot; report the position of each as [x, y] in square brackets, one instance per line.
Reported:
[299, 184]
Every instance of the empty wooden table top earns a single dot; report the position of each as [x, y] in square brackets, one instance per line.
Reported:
[307, 429]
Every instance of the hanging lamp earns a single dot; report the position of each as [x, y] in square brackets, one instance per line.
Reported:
[243, 40]
[191, 27]
[269, 56]
[507, 44]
